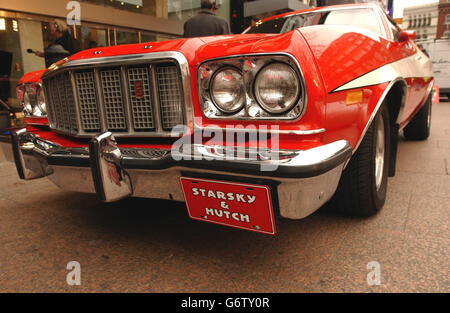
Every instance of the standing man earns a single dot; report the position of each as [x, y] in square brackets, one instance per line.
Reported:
[205, 22]
[63, 44]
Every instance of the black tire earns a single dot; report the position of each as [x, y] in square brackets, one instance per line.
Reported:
[419, 126]
[358, 192]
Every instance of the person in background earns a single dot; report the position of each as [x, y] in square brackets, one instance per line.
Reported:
[205, 22]
[61, 36]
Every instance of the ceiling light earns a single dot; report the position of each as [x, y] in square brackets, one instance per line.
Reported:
[2, 24]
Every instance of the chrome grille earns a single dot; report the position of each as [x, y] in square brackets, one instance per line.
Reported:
[170, 97]
[113, 100]
[59, 91]
[87, 100]
[140, 98]
[149, 153]
[128, 100]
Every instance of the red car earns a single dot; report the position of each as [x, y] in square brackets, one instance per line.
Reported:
[301, 108]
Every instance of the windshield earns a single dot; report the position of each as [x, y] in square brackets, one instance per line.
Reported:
[364, 18]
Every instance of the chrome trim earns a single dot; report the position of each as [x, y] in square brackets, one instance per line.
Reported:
[297, 199]
[83, 169]
[155, 100]
[150, 58]
[269, 131]
[100, 102]
[130, 59]
[111, 182]
[24, 145]
[128, 110]
[303, 132]
[75, 100]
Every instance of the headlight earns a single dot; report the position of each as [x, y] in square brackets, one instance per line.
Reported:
[41, 101]
[32, 98]
[20, 90]
[252, 87]
[26, 103]
[227, 90]
[277, 88]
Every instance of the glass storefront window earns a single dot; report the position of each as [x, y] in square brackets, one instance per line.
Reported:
[11, 67]
[124, 37]
[91, 37]
[148, 37]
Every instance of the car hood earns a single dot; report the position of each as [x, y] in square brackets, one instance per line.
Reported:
[194, 49]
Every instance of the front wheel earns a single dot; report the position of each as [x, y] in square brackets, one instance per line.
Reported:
[363, 185]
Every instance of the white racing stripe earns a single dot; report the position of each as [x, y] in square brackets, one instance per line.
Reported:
[416, 66]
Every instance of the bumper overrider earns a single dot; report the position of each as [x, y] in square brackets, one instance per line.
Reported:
[301, 182]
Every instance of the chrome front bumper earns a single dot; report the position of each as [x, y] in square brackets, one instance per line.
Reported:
[302, 182]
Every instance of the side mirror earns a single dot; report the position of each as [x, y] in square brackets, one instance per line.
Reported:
[406, 35]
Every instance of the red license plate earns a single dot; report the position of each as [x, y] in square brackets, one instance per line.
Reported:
[239, 205]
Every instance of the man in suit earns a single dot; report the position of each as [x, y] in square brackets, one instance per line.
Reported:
[205, 22]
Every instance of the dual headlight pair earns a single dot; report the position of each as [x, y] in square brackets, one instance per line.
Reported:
[32, 99]
[254, 87]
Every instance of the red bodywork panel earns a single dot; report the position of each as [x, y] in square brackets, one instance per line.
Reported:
[42, 121]
[31, 77]
[344, 55]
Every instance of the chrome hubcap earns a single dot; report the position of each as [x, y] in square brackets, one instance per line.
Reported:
[379, 153]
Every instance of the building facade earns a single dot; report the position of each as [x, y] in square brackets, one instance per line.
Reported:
[443, 27]
[423, 19]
